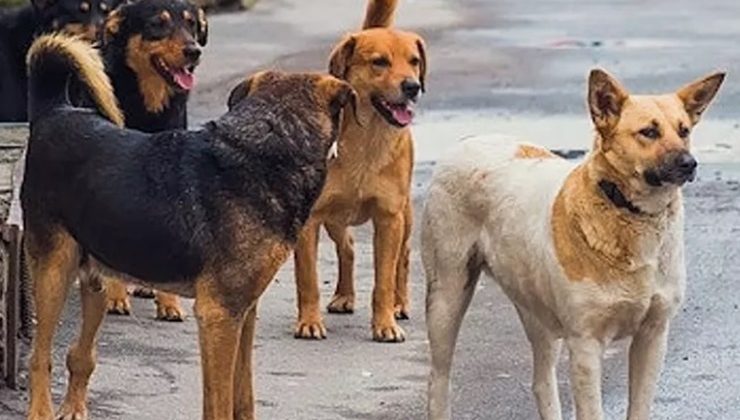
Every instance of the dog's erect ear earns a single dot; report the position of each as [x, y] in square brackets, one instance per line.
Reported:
[240, 92]
[423, 65]
[606, 96]
[341, 56]
[202, 28]
[697, 95]
[112, 25]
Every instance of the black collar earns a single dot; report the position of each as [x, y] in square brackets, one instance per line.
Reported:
[614, 195]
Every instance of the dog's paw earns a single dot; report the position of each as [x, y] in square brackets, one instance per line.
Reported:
[341, 304]
[170, 311]
[69, 411]
[310, 329]
[144, 292]
[388, 332]
[401, 311]
[119, 306]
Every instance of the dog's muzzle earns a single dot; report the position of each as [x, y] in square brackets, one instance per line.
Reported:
[678, 168]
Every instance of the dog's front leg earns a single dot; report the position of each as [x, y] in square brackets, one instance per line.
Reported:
[387, 244]
[219, 328]
[647, 352]
[310, 324]
[243, 377]
[585, 376]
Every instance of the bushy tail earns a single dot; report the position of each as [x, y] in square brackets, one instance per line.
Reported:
[380, 13]
[53, 60]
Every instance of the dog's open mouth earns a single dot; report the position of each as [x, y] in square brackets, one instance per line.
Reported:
[398, 114]
[181, 78]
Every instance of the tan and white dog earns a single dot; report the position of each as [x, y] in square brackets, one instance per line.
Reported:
[588, 253]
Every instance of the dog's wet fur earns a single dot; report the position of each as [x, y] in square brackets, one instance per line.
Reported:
[19, 26]
[145, 45]
[219, 210]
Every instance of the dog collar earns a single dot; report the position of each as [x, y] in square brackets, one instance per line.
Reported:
[614, 195]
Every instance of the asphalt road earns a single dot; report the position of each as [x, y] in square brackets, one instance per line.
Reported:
[504, 60]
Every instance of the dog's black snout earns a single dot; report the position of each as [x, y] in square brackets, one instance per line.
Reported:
[685, 163]
[191, 52]
[411, 88]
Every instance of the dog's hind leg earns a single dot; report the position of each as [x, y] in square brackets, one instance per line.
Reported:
[545, 352]
[52, 260]
[243, 376]
[81, 356]
[402, 270]
[585, 376]
[450, 287]
[343, 301]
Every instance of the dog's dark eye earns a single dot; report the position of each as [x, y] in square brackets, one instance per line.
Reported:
[650, 132]
[381, 62]
[415, 62]
[683, 131]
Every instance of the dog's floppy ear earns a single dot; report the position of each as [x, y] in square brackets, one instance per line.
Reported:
[341, 56]
[112, 25]
[240, 92]
[202, 28]
[340, 94]
[423, 65]
[697, 95]
[606, 96]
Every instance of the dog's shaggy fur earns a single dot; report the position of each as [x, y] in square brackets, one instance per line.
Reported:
[588, 253]
[211, 214]
[371, 179]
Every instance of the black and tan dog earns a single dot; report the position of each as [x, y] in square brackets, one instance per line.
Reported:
[210, 214]
[151, 49]
[18, 29]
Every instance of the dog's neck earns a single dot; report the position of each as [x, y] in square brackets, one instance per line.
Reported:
[21, 26]
[367, 138]
[628, 192]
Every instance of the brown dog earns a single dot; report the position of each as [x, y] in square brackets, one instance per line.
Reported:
[371, 179]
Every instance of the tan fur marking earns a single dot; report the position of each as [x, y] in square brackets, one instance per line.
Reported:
[528, 151]
[165, 16]
[89, 66]
[156, 91]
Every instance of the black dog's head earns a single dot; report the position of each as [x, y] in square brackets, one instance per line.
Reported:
[77, 17]
[161, 39]
[309, 109]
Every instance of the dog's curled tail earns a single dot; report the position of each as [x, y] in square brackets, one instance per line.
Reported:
[53, 60]
[380, 13]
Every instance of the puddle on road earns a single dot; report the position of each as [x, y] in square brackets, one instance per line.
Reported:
[435, 132]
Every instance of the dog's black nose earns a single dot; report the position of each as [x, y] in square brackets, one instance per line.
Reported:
[411, 88]
[685, 163]
[191, 52]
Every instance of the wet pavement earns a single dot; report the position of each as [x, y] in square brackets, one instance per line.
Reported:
[511, 66]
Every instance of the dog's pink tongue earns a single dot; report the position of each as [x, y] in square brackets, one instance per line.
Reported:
[403, 114]
[184, 79]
